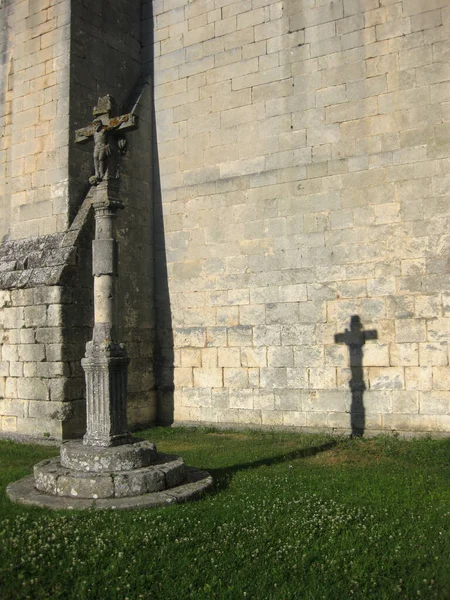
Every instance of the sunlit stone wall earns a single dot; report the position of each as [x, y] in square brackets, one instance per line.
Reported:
[304, 165]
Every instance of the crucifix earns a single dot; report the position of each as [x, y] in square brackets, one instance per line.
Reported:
[106, 362]
[107, 131]
[355, 338]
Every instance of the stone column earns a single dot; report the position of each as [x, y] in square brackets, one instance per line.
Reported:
[106, 361]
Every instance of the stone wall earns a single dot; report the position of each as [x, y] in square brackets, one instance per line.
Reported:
[34, 117]
[304, 157]
[106, 40]
[45, 322]
[56, 59]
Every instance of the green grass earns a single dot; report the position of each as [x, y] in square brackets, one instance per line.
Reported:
[291, 516]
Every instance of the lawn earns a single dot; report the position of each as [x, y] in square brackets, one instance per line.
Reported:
[291, 516]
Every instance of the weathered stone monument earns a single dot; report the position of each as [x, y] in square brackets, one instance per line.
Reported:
[108, 469]
[290, 170]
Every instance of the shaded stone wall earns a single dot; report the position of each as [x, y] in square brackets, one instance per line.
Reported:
[303, 155]
[106, 41]
[65, 55]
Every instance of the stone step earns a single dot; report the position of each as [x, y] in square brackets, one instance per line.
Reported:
[57, 480]
[197, 483]
[77, 456]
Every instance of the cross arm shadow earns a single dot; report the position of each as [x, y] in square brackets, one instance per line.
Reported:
[223, 476]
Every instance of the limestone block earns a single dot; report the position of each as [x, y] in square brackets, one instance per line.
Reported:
[17, 369]
[438, 330]
[263, 399]
[433, 354]
[253, 377]
[272, 378]
[181, 413]
[254, 357]
[31, 352]
[287, 400]
[264, 295]
[400, 307]
[441, 378]
[250, 315]
[48, 335]
[13, 318]
[240, 335]
[236, 377]
[27, 336]
[196, 397]
[335, 356]
[404, 355]
[55, 369]
[11, 388]
[378, 401]
[191, 357]
[183, 377]
[338, 420]
[220, 398]
[12, 336]
[405, 402]
[434, 403]
[204, 378]
[209, 358]
[10, 353]
[8, 424]
[335, 400]
[216, 337]
[297, 334]
[386, 378]
[229, 357]
[241, 399]
[418, 378]
[322, 378]
[4, 369]
[278, 356]
[309, 356]
[62, 389]
[297, 377]
[35, 316]
[13, 408]
[191, 336]
[50, 410]
[396, 422]
[313, 419]
[32, 388]
[411, 330]
[247, 417]
[22, 297]
[228, 316]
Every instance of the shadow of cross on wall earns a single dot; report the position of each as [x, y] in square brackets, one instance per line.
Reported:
[355, 338]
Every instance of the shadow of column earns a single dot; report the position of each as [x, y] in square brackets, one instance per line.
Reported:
[355, 338]
[163, 350]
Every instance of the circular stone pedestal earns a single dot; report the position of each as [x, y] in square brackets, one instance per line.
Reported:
[129, 476]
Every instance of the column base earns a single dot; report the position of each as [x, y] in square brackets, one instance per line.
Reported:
[131, 476]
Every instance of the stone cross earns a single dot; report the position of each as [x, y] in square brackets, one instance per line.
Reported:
[102, 129]
[355, 338]
[106, 362]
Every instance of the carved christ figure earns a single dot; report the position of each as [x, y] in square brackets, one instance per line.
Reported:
[100, 129]
[101, 149]
[101, 146]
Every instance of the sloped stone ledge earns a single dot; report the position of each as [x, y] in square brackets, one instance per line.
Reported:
[45, 260]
